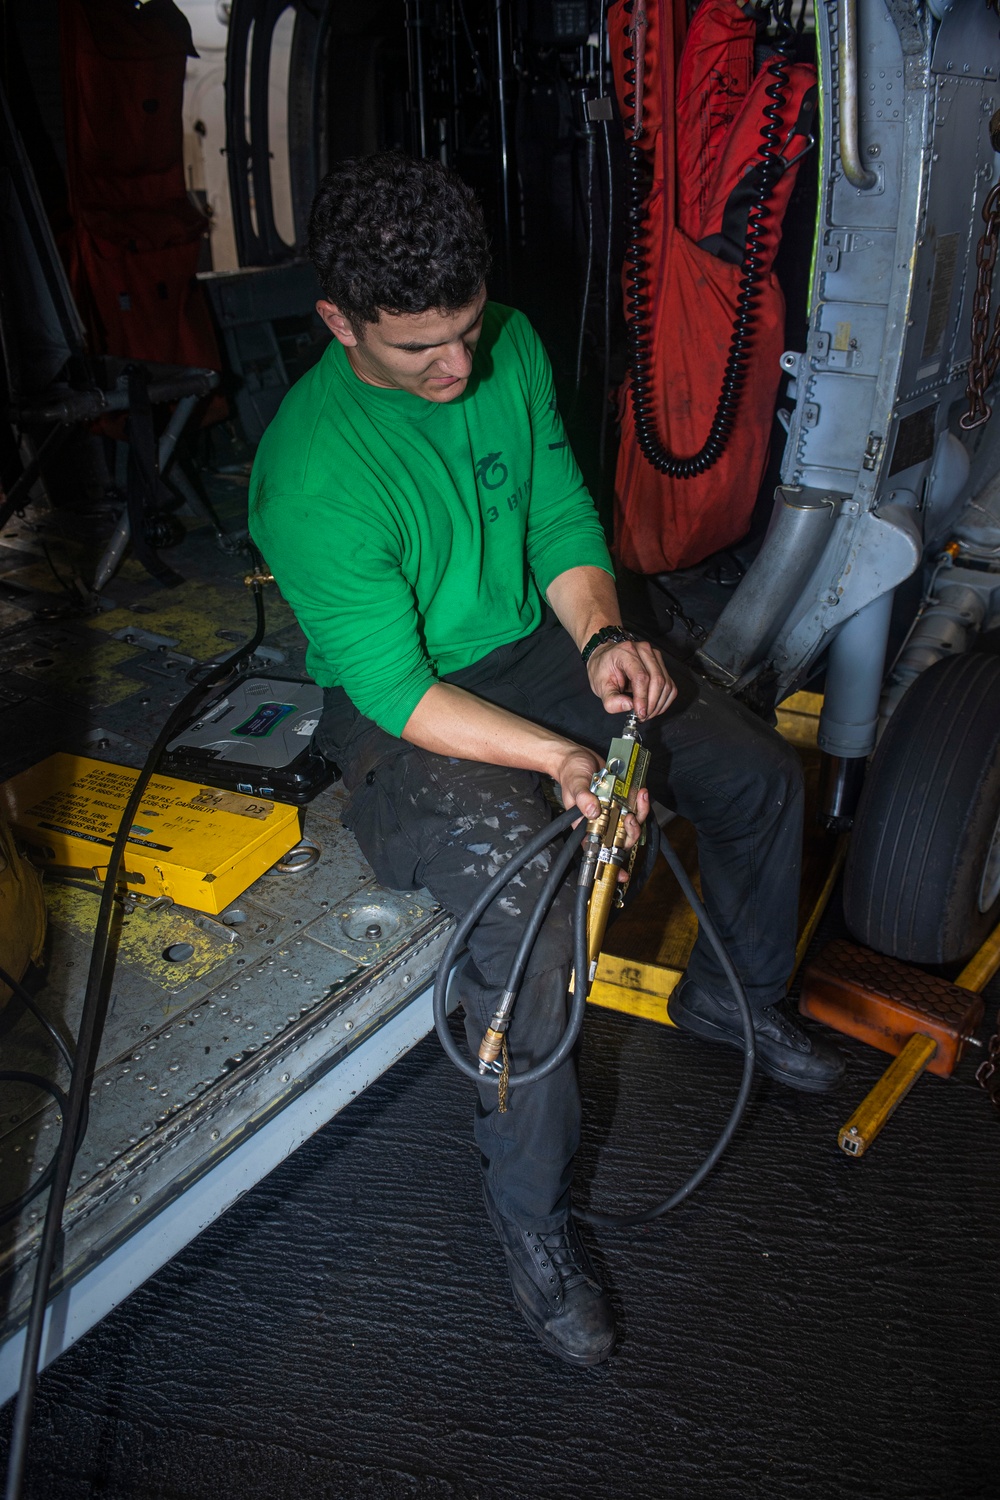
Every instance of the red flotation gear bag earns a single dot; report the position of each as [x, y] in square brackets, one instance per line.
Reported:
[702, 120]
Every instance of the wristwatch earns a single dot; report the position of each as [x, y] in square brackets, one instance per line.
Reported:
[604, 637]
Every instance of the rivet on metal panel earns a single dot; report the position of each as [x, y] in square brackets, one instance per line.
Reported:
[214, 1136]
[285, 1077]
[348, 1025]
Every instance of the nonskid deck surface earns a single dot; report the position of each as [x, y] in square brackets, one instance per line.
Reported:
[806, 1325]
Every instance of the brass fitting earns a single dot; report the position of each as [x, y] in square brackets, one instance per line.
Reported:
[489, 1049]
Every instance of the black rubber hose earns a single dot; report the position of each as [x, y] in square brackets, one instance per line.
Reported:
[770, 167]
[645, 1216]
[546, 896]
[87, 1048]
[26, 1000]
[578, 1009]
[9, 1075]
[488, 894]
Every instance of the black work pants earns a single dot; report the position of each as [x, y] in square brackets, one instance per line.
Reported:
[449, 825]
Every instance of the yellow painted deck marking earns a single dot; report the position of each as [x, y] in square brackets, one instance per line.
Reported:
[145, 937]
[661, 929]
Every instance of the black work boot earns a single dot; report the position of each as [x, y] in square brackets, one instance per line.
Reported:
[556, 1289]
[783, 1050]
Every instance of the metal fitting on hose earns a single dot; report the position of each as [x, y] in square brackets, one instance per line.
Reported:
[493, 1037]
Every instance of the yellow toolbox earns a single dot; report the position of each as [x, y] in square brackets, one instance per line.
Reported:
[198, 845]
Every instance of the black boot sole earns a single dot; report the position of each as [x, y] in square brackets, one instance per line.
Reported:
[699, 1026]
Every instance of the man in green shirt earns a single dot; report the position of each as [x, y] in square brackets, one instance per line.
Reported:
[419, 506]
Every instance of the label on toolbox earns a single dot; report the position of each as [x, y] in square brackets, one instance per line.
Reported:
[200, 846]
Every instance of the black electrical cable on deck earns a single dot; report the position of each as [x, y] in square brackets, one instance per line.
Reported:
[19, 990]
[87, 1048]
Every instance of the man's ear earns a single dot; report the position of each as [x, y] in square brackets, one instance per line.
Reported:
[338, 323]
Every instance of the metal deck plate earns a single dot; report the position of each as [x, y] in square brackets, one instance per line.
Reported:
[216, 1025]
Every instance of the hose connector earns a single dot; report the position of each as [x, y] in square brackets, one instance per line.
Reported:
[489, 1050]
[493, 1037]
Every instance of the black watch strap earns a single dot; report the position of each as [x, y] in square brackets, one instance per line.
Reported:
[604, 637]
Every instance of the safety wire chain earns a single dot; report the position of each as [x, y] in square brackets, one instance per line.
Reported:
[988, 1072]
[985, 356]
[504, 1078]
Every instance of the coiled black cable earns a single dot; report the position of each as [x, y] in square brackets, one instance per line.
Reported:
[641, 382]
[13, 1206]
[574, 1024]
[88, 1043]
[489, 893]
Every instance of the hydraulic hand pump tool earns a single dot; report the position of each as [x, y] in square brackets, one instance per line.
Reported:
[617, 787]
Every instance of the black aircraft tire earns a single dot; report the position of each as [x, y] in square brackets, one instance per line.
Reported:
[927, 822]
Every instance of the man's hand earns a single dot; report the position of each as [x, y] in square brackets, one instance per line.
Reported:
[630, 677]
[573, 779]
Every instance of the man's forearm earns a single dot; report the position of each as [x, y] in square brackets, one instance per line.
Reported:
[450, 721]
[585, 599]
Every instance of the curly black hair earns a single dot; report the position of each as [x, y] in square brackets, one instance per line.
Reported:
[391, 234]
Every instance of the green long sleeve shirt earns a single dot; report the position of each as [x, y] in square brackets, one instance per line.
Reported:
[412, 537]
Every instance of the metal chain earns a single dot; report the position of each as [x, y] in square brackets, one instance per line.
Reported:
[505, 1078]
[985, 355]
[988, 1072]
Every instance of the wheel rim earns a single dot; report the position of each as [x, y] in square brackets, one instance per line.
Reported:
[989, 886]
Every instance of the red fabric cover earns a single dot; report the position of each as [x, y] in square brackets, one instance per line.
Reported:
[703, 124]
[136, 235]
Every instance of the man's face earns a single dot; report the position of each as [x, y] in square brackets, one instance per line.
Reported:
[428, 354]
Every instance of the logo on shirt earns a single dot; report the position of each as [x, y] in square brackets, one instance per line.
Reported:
[490, 472]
